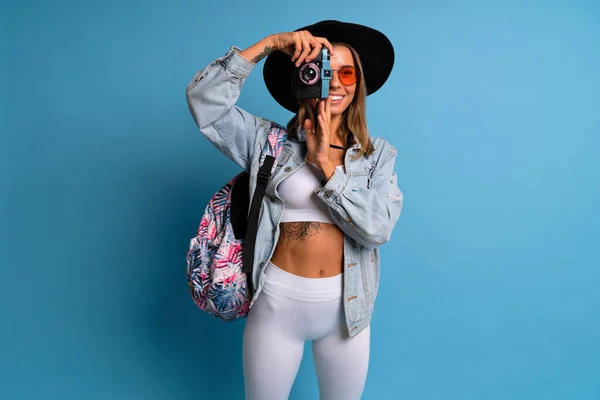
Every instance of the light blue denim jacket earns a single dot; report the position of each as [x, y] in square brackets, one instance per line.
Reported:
[364, 199]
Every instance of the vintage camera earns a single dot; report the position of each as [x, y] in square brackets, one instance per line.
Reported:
[311, 80]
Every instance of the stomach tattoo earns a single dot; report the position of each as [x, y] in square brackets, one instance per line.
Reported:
[299, 230]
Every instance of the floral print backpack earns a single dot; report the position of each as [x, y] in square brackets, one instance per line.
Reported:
[219, 260]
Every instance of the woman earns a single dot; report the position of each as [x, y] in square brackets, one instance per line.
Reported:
[331, 202]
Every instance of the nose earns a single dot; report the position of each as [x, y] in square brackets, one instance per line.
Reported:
[335, 83]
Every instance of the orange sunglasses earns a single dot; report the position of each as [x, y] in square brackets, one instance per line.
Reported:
[347, 75]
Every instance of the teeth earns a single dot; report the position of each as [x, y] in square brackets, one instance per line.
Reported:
[337, 97]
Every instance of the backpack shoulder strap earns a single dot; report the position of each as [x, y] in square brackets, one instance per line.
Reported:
[272, 149]
[274, 142]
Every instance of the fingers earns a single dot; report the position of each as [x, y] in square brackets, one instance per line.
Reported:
[307, 47]
[308, 126]
[322, 122]
[314, 53]
[325, 42]
[318, 43]
[301, 47]
[324, 129]
[324, 116]
[322, 106]
[297, 47]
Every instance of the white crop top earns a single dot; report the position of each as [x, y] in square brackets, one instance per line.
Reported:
[300, 203]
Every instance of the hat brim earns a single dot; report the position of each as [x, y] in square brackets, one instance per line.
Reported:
[373, 47]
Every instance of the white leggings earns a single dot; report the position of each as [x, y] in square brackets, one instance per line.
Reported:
[290, 310]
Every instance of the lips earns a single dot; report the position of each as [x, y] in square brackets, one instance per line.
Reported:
[336, 97]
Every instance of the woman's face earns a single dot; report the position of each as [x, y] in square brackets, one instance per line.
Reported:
[341, 95]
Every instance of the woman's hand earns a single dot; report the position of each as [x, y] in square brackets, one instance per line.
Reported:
[301, 46]
[318, 140]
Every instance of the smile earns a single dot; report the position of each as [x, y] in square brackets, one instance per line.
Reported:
[336, 98]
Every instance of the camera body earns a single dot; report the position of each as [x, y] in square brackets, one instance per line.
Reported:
[311, 80]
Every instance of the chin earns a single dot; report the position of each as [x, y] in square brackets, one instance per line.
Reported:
[340, 109]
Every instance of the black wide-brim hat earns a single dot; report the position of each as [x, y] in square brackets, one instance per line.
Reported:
[373, 47]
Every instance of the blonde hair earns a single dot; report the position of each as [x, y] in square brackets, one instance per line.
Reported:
[353, 124]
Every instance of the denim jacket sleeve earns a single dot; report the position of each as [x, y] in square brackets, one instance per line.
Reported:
[366, 214]
[211, 97]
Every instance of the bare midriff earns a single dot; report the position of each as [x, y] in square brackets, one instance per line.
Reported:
[310, 249]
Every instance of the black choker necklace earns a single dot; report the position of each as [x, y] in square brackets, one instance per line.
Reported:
[334, 146]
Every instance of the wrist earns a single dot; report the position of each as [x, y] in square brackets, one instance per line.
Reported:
[271, 41]
[327, 168]
[259, 50]
[323, 162]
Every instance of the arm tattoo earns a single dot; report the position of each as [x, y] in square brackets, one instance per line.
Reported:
[299, 230]
[268, 50]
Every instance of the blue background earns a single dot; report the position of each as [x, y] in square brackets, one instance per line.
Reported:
[490, 282]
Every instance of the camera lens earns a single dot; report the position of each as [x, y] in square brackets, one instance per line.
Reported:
[309, 74]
